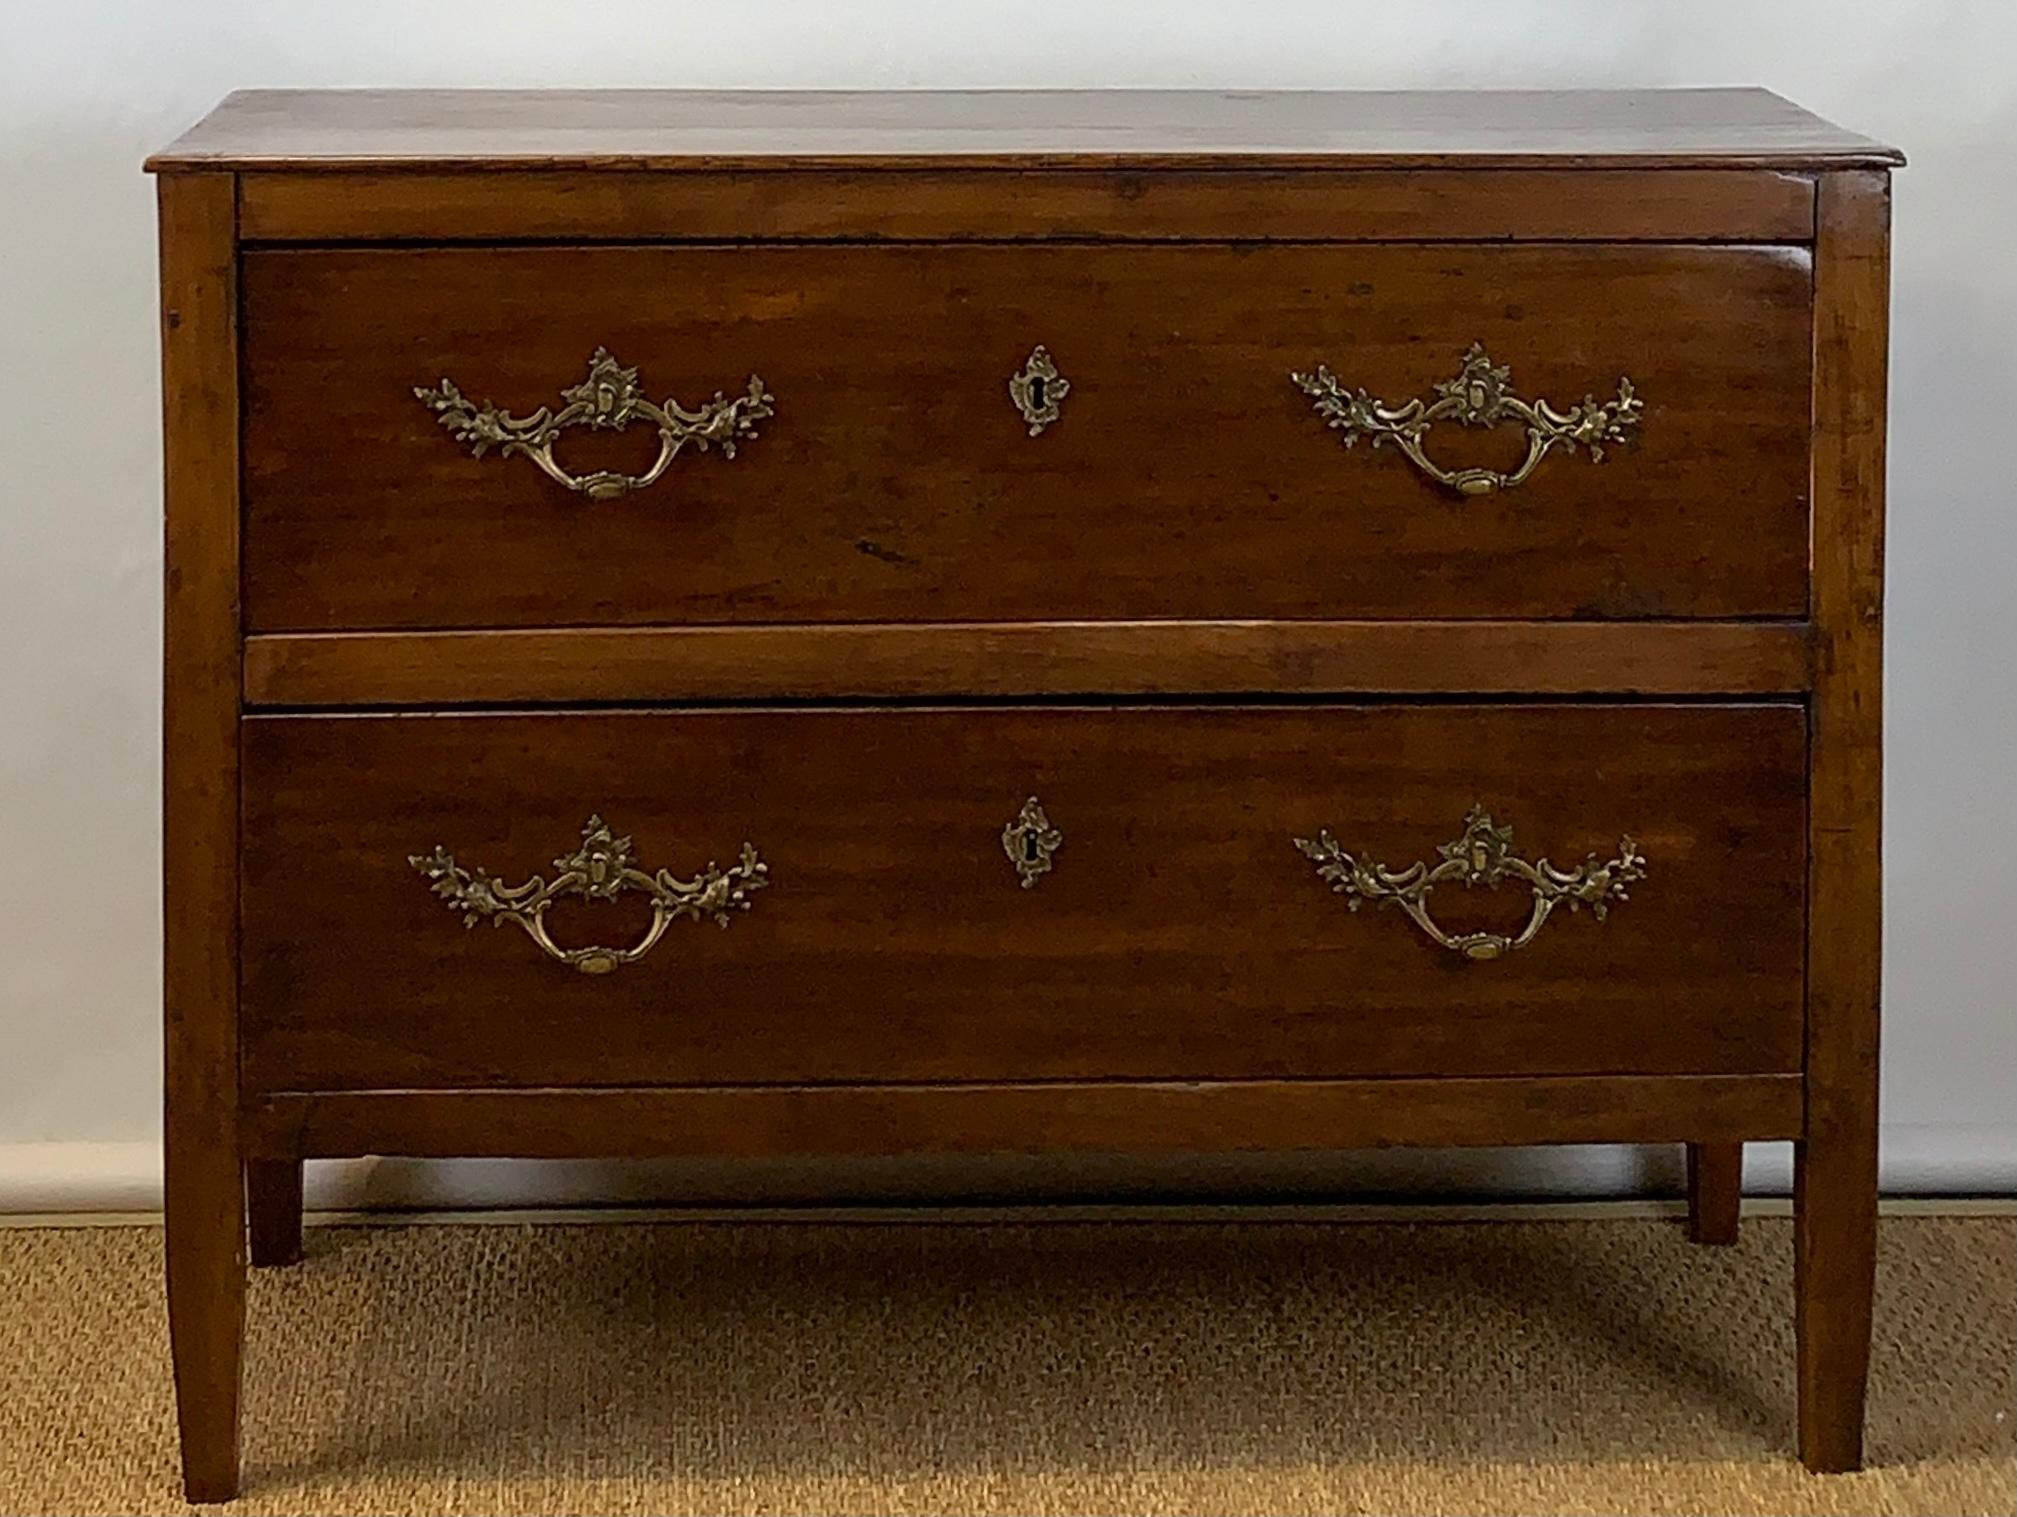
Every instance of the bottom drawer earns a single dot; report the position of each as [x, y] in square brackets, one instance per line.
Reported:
[895, 920]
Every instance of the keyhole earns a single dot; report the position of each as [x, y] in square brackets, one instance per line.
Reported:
[1031, 853]
[1036, 392]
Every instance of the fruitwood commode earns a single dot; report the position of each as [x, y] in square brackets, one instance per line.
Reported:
[1032, 568]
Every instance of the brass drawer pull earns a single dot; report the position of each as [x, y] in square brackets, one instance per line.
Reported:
[1477, 397]
[1482, 856]
[608, 400]
[599, 870]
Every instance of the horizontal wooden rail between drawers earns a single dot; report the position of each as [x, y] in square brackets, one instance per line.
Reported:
[1145, 1117]
[1030, 658]
[937, 204]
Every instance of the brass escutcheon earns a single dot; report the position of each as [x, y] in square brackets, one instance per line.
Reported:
[1039, 390]
[1029, 841]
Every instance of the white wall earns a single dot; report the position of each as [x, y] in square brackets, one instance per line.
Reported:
[88, 86]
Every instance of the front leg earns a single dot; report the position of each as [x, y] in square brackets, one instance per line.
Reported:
[1835, 1265]
[204, 1180]
[205, 1217]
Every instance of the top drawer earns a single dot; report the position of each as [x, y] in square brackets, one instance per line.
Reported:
[1186, 475]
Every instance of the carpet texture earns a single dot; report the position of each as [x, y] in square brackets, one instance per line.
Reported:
[1559, 1367]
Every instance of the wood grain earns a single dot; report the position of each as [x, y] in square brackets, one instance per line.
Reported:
[1836, 1167]
[1180, 936]
[474, 131]
[1233, 205]
[1188, 477]
[442, 669]
[204, 1196]
[1199, 1117]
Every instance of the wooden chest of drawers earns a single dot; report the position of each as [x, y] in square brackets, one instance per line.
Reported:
[1031, 568]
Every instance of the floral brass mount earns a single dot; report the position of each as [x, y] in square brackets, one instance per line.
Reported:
[1482, 856]
[1029, 841]
[610, 399]
[1478, 397]
[599, 870]
[1039, 390]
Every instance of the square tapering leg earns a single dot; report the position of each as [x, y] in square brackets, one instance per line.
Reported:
[205, 1217]
[1835, 1165]
[1835, 1256]
[204, 1179]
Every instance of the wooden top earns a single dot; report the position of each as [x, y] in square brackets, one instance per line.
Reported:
[750, 129]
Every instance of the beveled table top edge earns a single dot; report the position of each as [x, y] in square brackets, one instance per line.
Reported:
[672, 130]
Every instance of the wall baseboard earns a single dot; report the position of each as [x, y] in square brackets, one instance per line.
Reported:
[126, 1177]
[64, 1177]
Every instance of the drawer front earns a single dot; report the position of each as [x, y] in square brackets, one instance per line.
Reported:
[1180, 930]
[896, 478]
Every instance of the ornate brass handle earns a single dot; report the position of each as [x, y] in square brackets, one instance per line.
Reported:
[599, 870]
[1482, 856]
[610, 399]
[1477, 397]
